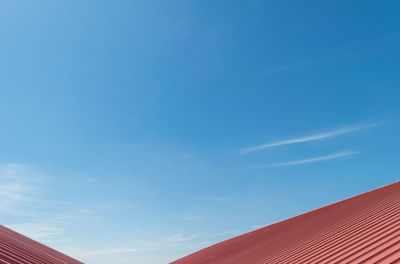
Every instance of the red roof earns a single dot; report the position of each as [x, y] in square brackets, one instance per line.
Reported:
[18, 249]
[362, 229]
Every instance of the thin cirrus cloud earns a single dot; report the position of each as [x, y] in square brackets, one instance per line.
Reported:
[202, 197]
[312, 160]
[115, 251]
[19, 190]
[180, 238]
[314, 137]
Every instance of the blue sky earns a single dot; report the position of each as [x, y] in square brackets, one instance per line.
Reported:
[141, 131]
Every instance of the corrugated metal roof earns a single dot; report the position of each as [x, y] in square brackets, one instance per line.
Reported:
[18, 249]
[362, 229]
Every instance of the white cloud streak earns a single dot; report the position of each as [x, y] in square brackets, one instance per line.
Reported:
[44, 232]
[316, 61]
[115, 251]
[312, 160]
[180, 238]
[254, 227]
[314, 137]
[204, 198]
[18, 189]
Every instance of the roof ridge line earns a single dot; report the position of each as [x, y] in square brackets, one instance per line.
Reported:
[305, 213]
[329, 205]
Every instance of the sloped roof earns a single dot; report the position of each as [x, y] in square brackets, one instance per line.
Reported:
[18, 249]
[362, 229]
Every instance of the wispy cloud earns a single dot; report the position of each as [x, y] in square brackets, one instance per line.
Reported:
[302, 64]
[180, 238]
[84, 178]
[211, 198]
[223, 234]
[18, 189]
[44, 232]
[311, 160]
[192, 218]
[25, 206]
[203, 197]
[313, 137]
[115, 251]
[254, 227]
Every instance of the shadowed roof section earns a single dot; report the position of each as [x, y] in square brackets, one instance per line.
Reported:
[361, 229]
[18, 249]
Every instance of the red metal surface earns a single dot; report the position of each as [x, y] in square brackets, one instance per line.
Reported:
[362, 229]
[18, 249]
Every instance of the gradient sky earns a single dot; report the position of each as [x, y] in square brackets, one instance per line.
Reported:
[141, 131]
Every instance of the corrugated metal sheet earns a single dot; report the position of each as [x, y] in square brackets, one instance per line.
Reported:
[362, 229]
[18, 249]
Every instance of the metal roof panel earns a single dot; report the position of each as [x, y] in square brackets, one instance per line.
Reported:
[361, 229]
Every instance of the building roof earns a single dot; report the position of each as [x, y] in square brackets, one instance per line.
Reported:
[18, 249]
[362, 229]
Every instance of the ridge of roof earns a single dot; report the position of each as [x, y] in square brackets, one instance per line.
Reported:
[328, 205]
[16, 248]
[381, 198]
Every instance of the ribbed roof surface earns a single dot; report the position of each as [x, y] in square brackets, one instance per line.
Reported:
[18, 249]
[362, 229]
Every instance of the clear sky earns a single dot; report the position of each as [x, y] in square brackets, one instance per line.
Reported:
[141, 131]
